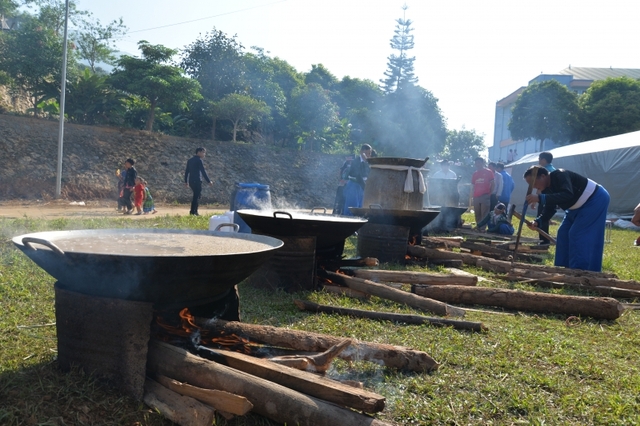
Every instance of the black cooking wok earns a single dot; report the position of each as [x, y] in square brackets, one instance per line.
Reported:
[398, 161]
[171, 268]
[329, 230]
[414, 219]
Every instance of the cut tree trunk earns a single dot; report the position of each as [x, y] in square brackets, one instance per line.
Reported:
[427, 253]
[502, 266]
[584, 280]
[391, 356]
[269, 399]
[183, 410]
[345, 291]
[399, 296]
[409, 277]
[622, 293]
[387, 316]
[595, 307]
[498, 253]
[220, 400]
[301, 381]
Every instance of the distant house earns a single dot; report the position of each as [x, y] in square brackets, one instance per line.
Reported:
[7, 24]
[576, 79]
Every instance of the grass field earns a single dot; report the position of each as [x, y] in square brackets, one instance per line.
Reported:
[526, 369]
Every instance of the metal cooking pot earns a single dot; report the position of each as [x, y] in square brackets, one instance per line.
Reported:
[168, 267]
[398, 161]
[414, 219]
[329, 230]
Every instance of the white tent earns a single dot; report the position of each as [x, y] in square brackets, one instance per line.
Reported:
[613, 162]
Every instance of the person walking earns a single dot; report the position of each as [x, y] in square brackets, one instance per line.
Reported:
[193, 175]
[497, 186]
[358, 174]
[338, 205]
[445, 172]
[129, 184]
[482, 183]
[580, 240]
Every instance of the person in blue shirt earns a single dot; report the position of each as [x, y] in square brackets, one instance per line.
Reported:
[507, 185]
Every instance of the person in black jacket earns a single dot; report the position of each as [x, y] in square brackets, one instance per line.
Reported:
[129, 183]
[193, 175]
[580, 240]
[358, 174]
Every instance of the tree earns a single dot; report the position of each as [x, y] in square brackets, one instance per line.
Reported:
[32, 57]
[546, 110]
[313, 115]
[610, 107]
[399, 71]
[162, 85]
[96, 43]
[91, 100]
[8, 7]
[461, 144]
[240, 109]
[52, 13]
[322, 76]
[412, 124]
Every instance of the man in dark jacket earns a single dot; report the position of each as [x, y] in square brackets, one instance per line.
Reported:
[129, 183]
[580, 241]
[193, 175]
[358, 174]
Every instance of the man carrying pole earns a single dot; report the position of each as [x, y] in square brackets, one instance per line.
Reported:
[580, 239]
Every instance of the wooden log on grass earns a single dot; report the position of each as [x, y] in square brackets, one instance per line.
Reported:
[427, 253]
[391, 356]
[399, 296]
[271, 400]
[503, 266]
[622, 293]
[592, 281]
[183, 410]
[220, 400]
[595, 307]
[410, 277]
[388, 316]
[301, 381]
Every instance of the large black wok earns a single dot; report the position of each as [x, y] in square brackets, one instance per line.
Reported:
[414, 219]
[171, 268]
[329, 230]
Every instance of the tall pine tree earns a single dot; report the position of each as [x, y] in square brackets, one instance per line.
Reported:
[399, 72]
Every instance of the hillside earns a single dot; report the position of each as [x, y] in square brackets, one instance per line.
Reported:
[29, 156]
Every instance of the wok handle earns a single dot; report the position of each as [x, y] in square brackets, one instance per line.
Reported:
[284, 213]
[235, 226]
[28, 240]
[375, 206]
[324, 210]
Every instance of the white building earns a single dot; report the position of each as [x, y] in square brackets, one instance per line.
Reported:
[576, 79]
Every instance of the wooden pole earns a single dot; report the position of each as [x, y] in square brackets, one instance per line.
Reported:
[391, 356]
[399, 296]
[269, 399]
[540, 231]
[388, 316]
[595, 307]
[534, 175]
[410, 277]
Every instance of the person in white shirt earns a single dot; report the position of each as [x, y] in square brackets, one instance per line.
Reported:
[497, 188]
[444, 172]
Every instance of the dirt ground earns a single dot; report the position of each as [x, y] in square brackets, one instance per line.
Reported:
[89, 209]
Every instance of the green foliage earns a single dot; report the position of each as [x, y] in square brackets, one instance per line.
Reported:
[240, 109]
[91, 100]
[96, 43]
[163, 86]
[319, 74]
[32, 57]
[610, 107]
[546, 110]
[463, 143]
[313, 115]
[399, 73]
[412, 124]
[51, 13]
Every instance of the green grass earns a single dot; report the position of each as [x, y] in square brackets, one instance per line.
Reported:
[526, 369]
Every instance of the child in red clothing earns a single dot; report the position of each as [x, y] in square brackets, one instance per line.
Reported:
[138, 195]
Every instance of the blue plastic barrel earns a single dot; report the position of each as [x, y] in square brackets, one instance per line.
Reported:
[253, 196]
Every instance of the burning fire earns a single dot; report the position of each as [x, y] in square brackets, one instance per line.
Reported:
[189, 329]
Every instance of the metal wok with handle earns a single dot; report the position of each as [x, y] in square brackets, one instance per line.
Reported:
[167, 267]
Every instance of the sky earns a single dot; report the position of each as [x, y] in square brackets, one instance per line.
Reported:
[468, 53]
